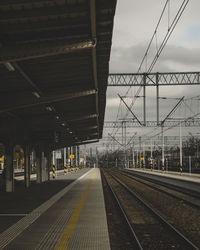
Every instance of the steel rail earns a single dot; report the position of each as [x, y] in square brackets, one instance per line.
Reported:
[170, 227]
[135, 238]
[139, 179]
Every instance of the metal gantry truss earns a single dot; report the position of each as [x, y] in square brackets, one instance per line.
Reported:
[151, 124]
[154, 79]
[147, 142]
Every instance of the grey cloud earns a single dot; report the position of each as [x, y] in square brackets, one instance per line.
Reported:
[181, 55]
[127, 60]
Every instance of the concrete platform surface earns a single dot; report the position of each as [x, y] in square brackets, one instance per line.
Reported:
[190, 182]
[73, 218]
[171, 174]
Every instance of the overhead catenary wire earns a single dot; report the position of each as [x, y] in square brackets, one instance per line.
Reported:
[151, 134]
[161, 47]
[164, 41]
[148, 47]
[143, 59]
[169, 32]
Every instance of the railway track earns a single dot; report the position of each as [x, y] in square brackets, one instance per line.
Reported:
[150, 229]
[187, 197]
[171, 186]
[122, 236]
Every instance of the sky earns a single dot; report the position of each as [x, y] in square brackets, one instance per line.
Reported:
[134, 24]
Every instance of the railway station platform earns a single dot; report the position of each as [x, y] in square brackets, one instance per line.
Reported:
[186, 180]
[65, 213]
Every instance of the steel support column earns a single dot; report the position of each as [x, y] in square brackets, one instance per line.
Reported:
[9, 168]
[49, 164]
[27, 167]
[64, 160]
[44, 166]
[38, 166]
[78, 155]
[71, 162]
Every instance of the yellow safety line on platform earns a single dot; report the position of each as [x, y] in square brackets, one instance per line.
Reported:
[64, 241]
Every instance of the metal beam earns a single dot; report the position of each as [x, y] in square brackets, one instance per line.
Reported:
[48, 100]
[26, 77]
[46, 10]
[87, 142]
[135, 117]
[94, 55]
[35, 50]
[115, 140]
[168, 115]
[154, 79]
[155, 138]
[88, 128]
[80, 118]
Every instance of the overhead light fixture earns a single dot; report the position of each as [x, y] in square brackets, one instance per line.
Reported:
[63, 124]
[70, 132]
[36, 94]
[9, 66]
[57, 117]
[49, 108]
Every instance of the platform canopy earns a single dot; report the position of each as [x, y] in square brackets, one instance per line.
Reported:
[54, 57]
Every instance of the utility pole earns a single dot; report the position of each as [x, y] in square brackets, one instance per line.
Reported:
[140, 149]
[151, 164]
[116, 162]
[157, 98]
[133, 159]
[190, 165]
[181, 153]
[124, 141]
[144, 99]
[125, 144]
[143, 155]
[163, 152]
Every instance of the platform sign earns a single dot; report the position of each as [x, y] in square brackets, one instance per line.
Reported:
[72, 156]
[58, 154]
